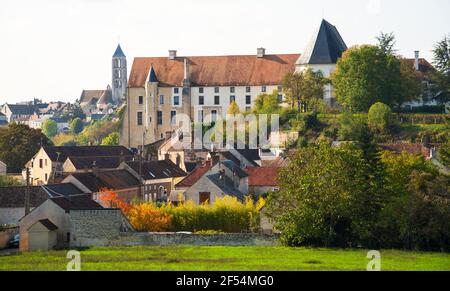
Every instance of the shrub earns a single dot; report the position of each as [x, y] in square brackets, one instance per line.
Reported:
[380, 117]
[304, 121]
[49, 128]
[444, 154]
[76, 126]
[6, 181]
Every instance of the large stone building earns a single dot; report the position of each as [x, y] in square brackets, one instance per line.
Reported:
[160, 88]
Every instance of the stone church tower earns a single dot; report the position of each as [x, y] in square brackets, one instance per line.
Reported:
[119, 76]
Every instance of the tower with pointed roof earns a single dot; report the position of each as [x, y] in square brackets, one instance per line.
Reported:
[119, 76]
[322, 54]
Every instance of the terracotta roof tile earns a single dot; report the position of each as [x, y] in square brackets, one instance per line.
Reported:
[215, 70]
[259, 176]
[195, 175]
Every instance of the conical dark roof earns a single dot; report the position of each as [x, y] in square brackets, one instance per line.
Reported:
[325, 47]
[152, 75]
[119, 53]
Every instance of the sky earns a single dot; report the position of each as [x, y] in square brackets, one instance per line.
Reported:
[53, 49]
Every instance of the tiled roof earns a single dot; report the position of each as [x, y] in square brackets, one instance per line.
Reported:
[226, 155]
[424, 65]
[259, 176]
[63, 189]
[22, 109]
[106, 97]
[195, 175]
[81, 163]
[87, 96]
[215, 70]
[252, 155]
[235, 169]
[76, 202]
[85, 151]
[152, 170]
[115, 180]
[119, 52]
[226, 186]
[325, 47]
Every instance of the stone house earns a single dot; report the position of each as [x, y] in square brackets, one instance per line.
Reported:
[70, 219]
[12, 199]
[158, 177]
[87, 164]
[18, 112]
[262, 180]
[125, 184]
[48, 162]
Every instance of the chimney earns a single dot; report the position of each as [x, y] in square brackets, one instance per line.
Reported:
[172, 54]
[416, 60]
[215, 158]
[166, 157]
[261, 52]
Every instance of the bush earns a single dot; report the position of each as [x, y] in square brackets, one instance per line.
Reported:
[424, 109]
[76, 126]
[444, 154]
[304, 121]
[49, 128]
[380, 117]
[7, 181]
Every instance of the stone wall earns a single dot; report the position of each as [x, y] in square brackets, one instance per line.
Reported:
[96, 227]
[173, 239]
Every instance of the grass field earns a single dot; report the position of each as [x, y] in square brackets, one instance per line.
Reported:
[225, 259]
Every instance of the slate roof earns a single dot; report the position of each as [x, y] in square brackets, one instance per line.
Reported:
[235, 169]
[119, 52]
[262, 176]
[14, 196]
[81, 163]
[245, 70]
[85, 151]
[48, 224]
[115, 180]
[252, 155]
[152, 170]
[326, 47]
[91, 96]
[227, 188]
[106, 97]
[195, 175]
[152, 75]
[76, 202]
[22, 109]
[229, 156]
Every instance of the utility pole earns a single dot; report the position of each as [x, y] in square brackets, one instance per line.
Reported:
[27, 193]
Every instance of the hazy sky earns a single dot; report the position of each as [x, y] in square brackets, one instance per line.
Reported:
[52, 49]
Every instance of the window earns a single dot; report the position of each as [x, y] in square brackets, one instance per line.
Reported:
[201, 100]
[141, 100]
[248, 99]
[264, 89]
[216, 89]
[213, 115]
[248, 89]
[200, 116]
[232, 99]
[232, 89]
[201, 90]
[160, 119]
[139, 118]
[280, 98]
[46, 177]
[204, 197]
[173, 117]
[161, 99]
[176, 100]
[41, 164]
[216, 100]
[68, 237]
[45, 162]
[176, 90]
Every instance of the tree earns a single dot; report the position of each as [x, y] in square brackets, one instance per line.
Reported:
[234, 108]
[97, 131]
[64, 140]
[441, 76]
[7, 181]
[267, 103]
[366, 75]
[301, 88]
[410, 85]
[386, 42]
[444, 154]
[18, 144]
[111, 140]
[50, 128]
[76, 126]
[380, 117]
[326, 198]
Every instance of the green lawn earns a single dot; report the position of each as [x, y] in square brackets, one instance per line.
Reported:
[186, 258]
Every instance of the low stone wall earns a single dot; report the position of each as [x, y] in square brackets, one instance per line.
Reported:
[173, 239]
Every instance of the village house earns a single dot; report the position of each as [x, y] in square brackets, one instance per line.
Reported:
[158, 177]
[19, 113]
[262, 180]
[3, 119]
[48, 162]
[87, 164]
[12, 199]
[125, 184]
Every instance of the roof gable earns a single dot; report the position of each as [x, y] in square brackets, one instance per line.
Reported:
[85, 151]
[195, 175]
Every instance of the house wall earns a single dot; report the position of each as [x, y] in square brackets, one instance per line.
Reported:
[11, 215]
[203, 185]
[96, 227]
[48, 210]
[42, 176]
[40, 238]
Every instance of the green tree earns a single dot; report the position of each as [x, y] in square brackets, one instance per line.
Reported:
[386, 42]
[410, 85]
[50, 128]
[301, 88]
[7, 181]
[233, 108]
[267, 103]
[441, 76]
[111, 140]
[366, 75]
[96, 132]
[326, 198]
[76, 126]
[444, 154]
[380, 117]
[18, 144]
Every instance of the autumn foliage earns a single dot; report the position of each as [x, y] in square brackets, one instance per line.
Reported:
[226, 214]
